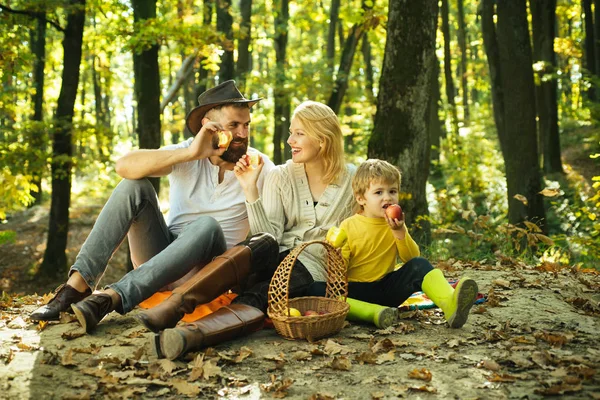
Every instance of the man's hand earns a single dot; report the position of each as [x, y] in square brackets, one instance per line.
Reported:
[202, 146]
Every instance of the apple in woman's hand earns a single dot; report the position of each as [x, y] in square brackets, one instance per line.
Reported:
[394, 211]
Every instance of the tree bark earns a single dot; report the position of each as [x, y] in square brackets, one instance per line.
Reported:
[38, 47]
[511, 69]
[368, 59]
[244, 54]
[400, 132]
[282, 100]
[462, 42]
[450, 90]
[147, 86]
[543, 16]
[225, 26]
[435, 125]
[55, 258]
[590, 52]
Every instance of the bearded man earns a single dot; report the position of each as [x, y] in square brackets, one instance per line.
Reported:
[207, 224]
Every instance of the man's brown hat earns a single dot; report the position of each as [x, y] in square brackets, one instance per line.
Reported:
[224, 93]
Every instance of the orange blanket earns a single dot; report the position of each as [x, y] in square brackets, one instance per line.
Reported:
[200, 311]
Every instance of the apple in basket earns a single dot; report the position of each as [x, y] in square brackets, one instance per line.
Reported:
[323, 312]
[308, 313]
[294, 312]
[394, 211]
[336, 237]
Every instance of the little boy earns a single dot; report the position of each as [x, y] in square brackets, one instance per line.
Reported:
[375, 242]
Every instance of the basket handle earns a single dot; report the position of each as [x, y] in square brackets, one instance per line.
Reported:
[337, 283]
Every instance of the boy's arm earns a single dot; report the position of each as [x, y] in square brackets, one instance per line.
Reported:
[407, 247]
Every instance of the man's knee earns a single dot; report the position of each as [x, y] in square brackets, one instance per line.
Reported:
[133, 186]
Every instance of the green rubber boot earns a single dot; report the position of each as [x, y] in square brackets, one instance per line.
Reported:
[380, 316]
[455, 303]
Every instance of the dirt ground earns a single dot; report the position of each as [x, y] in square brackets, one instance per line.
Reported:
[536, 336]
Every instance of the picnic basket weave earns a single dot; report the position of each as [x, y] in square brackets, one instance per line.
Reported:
[332, 308]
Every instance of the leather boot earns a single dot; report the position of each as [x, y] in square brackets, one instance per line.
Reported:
[90, 311]
[228, 322]
[226, 271]
[64, 296]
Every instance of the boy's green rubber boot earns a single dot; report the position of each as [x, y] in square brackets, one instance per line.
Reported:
[455, 303]
[381, 316]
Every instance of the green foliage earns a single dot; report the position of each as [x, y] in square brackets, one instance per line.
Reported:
[7, 237]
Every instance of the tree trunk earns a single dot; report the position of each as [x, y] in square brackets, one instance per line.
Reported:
[462, 42]
[244, 54]
[225, 25]
[55, 258]
[202, 85]
[590, 53]
[281, 95]
[400, 132]
[334, 16]
[511, 69]
[543, 16]
[341, 79]
[147, 86]
[38, 47]
[368, 59]
[435, 125]
[450, 91]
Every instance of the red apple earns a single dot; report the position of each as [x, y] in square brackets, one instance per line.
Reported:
[310, 312]
[323, 312]
[394, 211]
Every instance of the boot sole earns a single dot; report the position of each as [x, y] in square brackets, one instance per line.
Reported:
[387, 317]
[80, 317]
[465, 298]
[169, 344]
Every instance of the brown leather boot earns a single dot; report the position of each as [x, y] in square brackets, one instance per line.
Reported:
[223, 273]
[228, 322]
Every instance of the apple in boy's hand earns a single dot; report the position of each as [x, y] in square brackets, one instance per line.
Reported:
[394, 211]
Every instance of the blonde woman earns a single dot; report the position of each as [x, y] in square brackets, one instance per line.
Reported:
[300, 201]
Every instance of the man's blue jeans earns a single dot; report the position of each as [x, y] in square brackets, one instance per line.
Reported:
[159, 256]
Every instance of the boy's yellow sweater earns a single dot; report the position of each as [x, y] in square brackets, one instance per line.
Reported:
[371, 250]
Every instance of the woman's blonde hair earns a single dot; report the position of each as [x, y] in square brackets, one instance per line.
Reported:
[374, 170]
[321, 123]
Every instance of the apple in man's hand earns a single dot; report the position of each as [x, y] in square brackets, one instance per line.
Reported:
[222, 139]
[394, 211]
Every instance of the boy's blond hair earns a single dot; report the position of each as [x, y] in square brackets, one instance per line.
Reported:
[374, 170]
[321, 123]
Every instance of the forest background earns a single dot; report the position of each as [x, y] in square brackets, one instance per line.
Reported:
[489, 108]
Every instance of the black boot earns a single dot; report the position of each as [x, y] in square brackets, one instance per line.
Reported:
[89, 312]
[64, 296]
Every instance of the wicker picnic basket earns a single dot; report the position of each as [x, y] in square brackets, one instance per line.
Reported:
[332, 308]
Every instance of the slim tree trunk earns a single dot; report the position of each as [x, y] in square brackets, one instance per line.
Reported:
[341, 80]
[400, 132]
[543, 15]
[368, 59]
[147, 86]
[462, 42]
[450, 91]
[590, 51]
[55, 258]
[225, 25]
[202, 84]
[282, 99]
[334, 16]
[518, 136]
[244, 54]
[38, 47]
[435, 125]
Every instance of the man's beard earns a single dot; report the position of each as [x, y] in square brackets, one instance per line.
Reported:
[234, 153]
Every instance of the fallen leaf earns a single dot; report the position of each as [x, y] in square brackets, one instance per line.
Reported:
[332, 348]
[422, 374]
[245, 352]
[185, 388]
[425, 388]
[489, 365]
[341, 363]
[502, 283]
[384, 345]
[73, 334]
[550, 192]
[367, 357]
[377, 395]
[302, 355]
[559, 389]
[521, 198]
[386, 357]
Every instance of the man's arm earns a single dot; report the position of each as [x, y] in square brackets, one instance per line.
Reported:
[140, 164]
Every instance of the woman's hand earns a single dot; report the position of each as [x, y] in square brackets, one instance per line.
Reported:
[247, 174]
